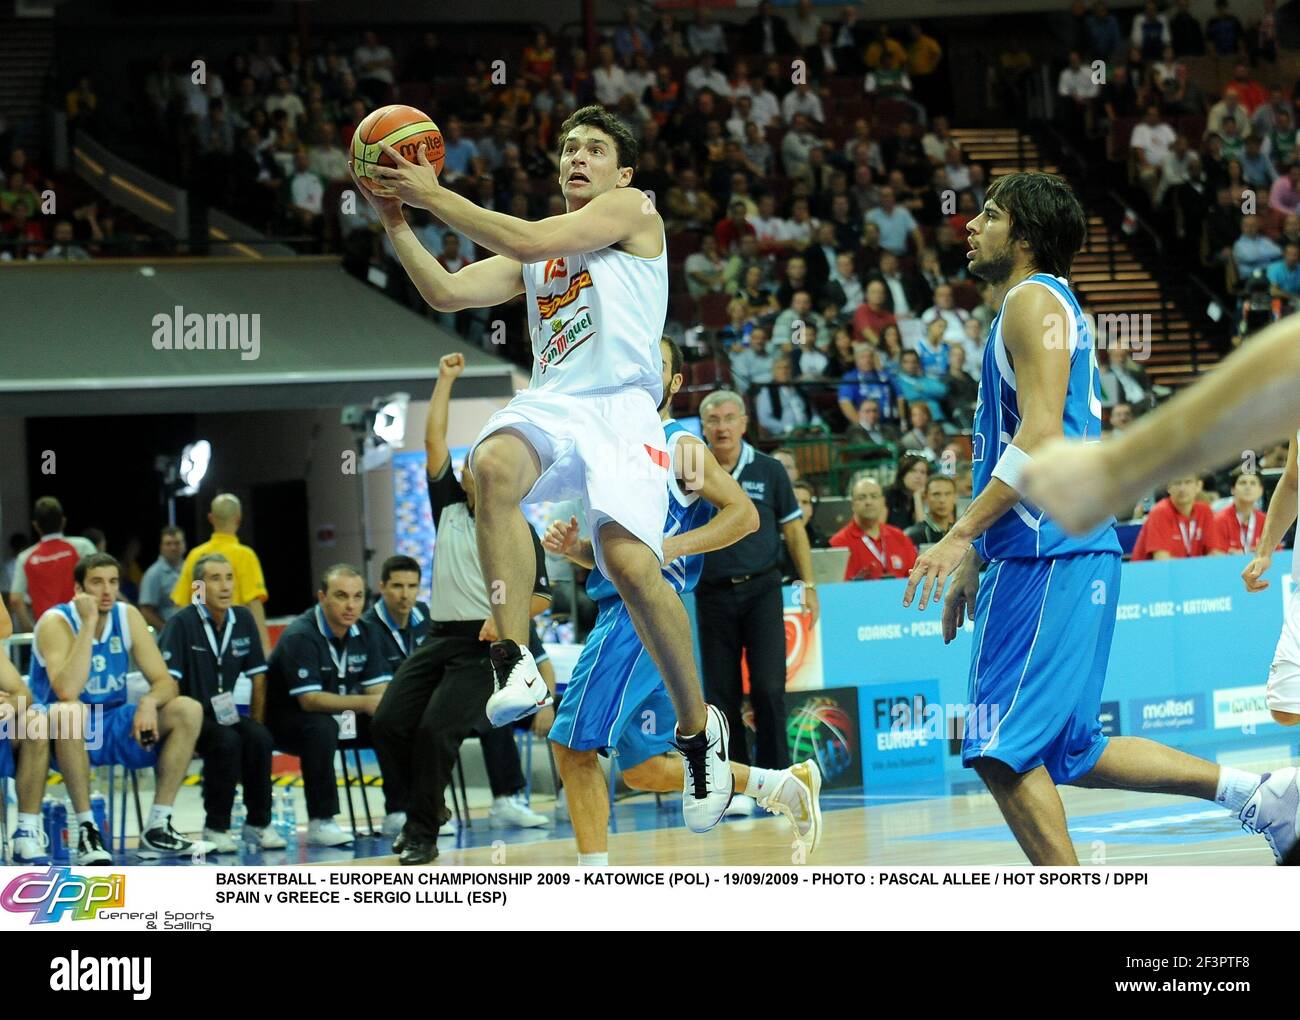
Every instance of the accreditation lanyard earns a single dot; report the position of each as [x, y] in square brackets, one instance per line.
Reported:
[1248, 532]
[382, 613]
[1188, 532]
[219, 653]
[879, 552]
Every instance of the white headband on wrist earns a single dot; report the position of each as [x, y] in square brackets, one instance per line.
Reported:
[1011, 466]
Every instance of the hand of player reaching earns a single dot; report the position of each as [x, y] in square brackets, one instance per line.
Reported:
[1253, 575]
[933, 568]
[414, 184]
[561, 537]
[389, 209]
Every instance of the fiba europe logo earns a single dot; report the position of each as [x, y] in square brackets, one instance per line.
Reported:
[820, 728]
[48, 896]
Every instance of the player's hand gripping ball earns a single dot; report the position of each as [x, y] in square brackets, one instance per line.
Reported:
[402, 129]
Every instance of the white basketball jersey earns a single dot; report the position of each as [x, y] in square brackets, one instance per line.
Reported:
[1295, 551]
[596, 319]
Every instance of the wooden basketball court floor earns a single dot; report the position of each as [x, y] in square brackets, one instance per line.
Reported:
[1109, 827]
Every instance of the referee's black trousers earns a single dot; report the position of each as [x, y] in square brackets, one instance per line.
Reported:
[748, 617]
[437, 699]
[240, 753]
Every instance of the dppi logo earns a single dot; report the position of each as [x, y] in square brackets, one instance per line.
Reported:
[48, 896]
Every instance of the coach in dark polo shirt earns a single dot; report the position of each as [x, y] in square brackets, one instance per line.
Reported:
[325, 679]
[739, 607]
[208, 646]
[398, 620]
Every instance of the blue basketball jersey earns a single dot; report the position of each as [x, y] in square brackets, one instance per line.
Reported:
[110, 659]
[685, 511]
[1025, 530]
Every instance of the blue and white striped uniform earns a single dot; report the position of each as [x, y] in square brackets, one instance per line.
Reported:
[109, 722]
[1045, 612]
[616, 700]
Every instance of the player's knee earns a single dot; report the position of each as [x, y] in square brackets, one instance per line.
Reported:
[632, 568]
[35, 727]
[184, 714]
[642, 776]
[1286, 718]
[995, 774]
[497, 469]
[570, 760]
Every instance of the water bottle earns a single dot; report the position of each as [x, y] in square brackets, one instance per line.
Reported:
[99, 808]
[290, 813]
[278, 821]
[239, 814]
[59, 837]
[53, 828]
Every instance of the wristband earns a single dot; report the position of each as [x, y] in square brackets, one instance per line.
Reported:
[1011, 466]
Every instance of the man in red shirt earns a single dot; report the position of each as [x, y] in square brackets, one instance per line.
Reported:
[43, 572]
[1178, 526]
[728, 232]
[1237, 527]
[876, 549]
[872, 316]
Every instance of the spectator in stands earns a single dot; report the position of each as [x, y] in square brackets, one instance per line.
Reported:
[1174, 170]
[1265, 117]
[802, 99]
[864, 151]
[933, 350]
[1228, 108]
[1284, 195]
[1249, 92]
[728, 232]
[1281, 141]
[1290, 229]
[667, 37]
[1185, 32]
[919, 419]
[760, 302]
[1237, 527]
[630, 38]
[890, 80]
[906, 496]
[906, 293]
[940, 512]
[881, 42]
[1121, 417]
[896, 224]
[458, 151]
[866, 381]
[822, 57]
[1254, 250]
[1150, 32]
[225, 515]
[873, 315]
[1119, 98]
[704, 35]
[43, 573]
[1104, 34]
[1184, 98]
[705, 269]
[756, 148]
[800, 324]
[64, 247]
[1122, 379]
[840, 353]
[804, 25]
[1151, 140]
[914, 385]
[156, 603]
[373, 63]
[974, 339]
[954, 317]
[800, 229]
[610, 78]
[306, 193]
[796, 145]
[737, 265]
[869, 428]
[963, 389]
[782, 409]
[1179, 526]
[1284, 274]
[734, 336]
[767, 33]
[877, 548]
[1225, 33]
[284, 98]
[848, 281]
[754, 366]
[690, 207]
[556, 96]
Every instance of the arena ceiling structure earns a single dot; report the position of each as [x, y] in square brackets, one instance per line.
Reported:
[198, 335]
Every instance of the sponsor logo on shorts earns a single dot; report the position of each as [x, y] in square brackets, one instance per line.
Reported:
[548, 306]
[567, 336]
[1161, 715]
[1236, 707]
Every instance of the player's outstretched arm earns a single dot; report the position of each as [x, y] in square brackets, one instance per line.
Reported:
[1281, 515]
[612, 218]
[698, 470]
[1249, 399]
[482, 284]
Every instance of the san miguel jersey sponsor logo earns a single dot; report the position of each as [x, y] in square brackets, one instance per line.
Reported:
[565, 337]
[548, 306]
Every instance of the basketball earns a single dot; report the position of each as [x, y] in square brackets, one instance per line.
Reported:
[404, 128]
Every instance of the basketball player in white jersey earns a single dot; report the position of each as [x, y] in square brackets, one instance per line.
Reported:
[596, 284]
[1284, 674]
[1249, 399]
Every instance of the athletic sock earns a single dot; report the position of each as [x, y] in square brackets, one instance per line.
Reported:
[594, 860]
[85, 816]
[1235, 788]
[159, 817]
[763, 782]
[29, 823]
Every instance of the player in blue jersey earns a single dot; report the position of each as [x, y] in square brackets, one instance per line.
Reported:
[81, 655]
[1044, 607]
[616, 701]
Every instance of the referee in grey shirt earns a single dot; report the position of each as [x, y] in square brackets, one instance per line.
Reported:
[738, 602]
[439, 695]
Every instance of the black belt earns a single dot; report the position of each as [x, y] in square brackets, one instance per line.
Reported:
[455, 628]
[731, 582]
